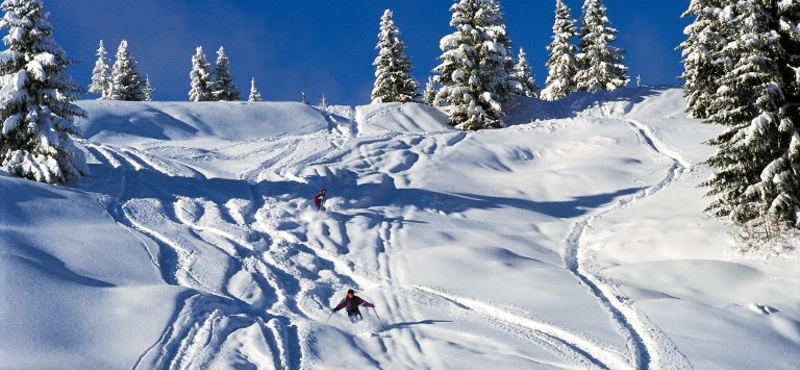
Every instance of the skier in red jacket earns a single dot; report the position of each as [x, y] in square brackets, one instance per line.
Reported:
[352, 301]
[319, 199]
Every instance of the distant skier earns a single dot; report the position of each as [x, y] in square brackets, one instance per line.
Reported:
[352, 301]
[319, 199]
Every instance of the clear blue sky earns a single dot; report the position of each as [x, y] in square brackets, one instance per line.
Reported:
[327, 47]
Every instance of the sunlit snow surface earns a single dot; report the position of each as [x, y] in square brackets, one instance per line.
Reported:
[572, 239]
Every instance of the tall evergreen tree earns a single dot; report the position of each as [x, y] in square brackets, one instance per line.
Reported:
[787, 169]
[461, 89]
[224, 89]
[101, 75]
[476, 73]
[758, 157]
[202, 86]
[497, 60]
[254, 95]
[701, 54]
[393, 80]
[524, 75]
[562, 65]
[600, 64]
[128, 83]
[36, 99]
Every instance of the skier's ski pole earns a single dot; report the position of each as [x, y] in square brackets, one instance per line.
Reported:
[376, 313]
[329, 317]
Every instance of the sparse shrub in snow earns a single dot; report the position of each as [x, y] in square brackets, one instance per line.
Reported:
[767, 239]
[36, 96]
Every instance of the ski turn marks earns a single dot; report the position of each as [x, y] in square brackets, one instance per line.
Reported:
[648, 347]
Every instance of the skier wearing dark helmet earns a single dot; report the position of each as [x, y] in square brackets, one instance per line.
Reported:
[351, 302]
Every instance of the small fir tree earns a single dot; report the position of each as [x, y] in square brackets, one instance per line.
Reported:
[148, 89]
[429, 95]
[36, 99]
[200, 76]
[600, 64]
[224, 89]
[254, 95]
[101, 75]
[393, 80]
[128, 83]
[562, 65]
[523, 74]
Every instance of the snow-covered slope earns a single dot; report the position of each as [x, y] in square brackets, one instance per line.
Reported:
[572, 239]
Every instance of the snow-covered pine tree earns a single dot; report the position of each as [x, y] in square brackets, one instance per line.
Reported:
[254, 95]
[224, 89]
[148, 89]
[200, 76]
[757, 162]
[497, 67]
[600, 64]
[101, 75]
[562, 65]
[429, 95]
[461, 88]
[701, 54]
[128, 83]
[524, 75]
[393, 80]
[36, 108]
[787, 170]
[476, 70]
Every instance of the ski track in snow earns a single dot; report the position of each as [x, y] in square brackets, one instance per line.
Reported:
[214, 322]
[259, 274]
[649, 348]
